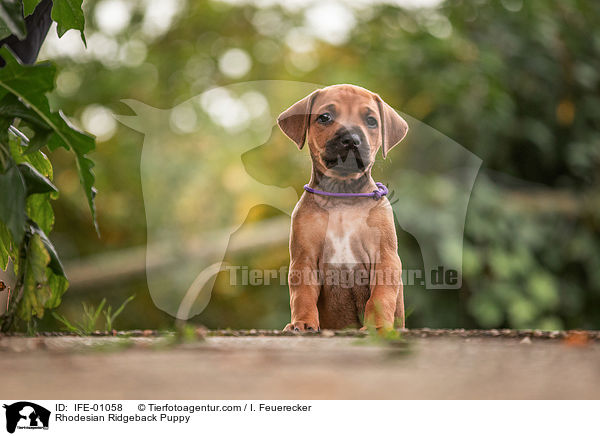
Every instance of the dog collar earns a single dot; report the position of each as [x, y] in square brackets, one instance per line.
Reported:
[377, 194]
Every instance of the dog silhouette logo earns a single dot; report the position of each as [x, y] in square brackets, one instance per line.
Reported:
[26, 415]
[207, 151]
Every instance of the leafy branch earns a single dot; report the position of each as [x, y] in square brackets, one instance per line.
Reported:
[27, 125]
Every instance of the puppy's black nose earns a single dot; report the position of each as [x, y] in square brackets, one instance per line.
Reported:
[350, 139]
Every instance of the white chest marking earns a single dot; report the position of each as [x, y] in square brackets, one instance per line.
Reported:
[340, 234]
[341, 250]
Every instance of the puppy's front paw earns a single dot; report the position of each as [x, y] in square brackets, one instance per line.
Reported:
[301, 326]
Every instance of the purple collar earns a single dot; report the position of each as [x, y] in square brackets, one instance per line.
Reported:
[380, 192]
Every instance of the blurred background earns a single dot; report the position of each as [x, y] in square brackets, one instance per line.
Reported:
[516, 83]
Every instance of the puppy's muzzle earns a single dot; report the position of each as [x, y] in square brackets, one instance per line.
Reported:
[347, 152]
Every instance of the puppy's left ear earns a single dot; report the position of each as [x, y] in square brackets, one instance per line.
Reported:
[294, 121]
[393, 126]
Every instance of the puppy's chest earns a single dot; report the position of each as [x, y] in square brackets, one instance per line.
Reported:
[347, 238]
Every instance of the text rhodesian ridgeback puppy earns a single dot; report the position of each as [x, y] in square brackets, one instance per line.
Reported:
[344, 269]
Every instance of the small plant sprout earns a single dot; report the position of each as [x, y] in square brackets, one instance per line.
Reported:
[88, 323]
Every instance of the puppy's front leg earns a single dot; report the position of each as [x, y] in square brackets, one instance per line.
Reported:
[304, 293]
[386, 295]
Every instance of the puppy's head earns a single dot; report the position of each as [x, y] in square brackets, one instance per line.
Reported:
[344, 126]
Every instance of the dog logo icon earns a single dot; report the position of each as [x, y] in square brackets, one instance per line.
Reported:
[26, 415]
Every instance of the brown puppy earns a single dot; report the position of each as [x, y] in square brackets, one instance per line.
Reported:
[344, 270]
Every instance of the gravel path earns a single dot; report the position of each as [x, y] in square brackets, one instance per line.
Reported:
[432, 364]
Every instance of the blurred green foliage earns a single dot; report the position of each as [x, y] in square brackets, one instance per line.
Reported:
[515, 82]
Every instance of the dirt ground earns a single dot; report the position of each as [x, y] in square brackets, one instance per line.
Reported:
[427, 366]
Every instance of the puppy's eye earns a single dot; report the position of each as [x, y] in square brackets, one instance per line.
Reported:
[371, 122]
[324, 118]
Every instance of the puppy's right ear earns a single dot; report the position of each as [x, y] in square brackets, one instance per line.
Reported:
[294, 120]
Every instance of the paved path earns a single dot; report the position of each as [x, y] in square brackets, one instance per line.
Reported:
[303, 367]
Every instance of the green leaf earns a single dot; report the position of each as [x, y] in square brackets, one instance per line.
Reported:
[68, 15]
[59, 285]
[29, 6]
[40, 211]
[30, 84]
[41, 163]
[35, 183]
[36, 292]
[37, 159]
[114, 316]
[10, 108]
[12, 202]
[11, 13]
[4, 31]
[7, 248]
[67, 324]
[99, 310]
[86, 177]
[39, 140]
[54, 263]
[90, 317]
[43, 286]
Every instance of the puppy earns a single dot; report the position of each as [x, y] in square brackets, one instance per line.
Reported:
[344, 269]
